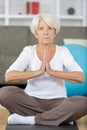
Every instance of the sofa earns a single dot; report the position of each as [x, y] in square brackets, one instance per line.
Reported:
[14, 38]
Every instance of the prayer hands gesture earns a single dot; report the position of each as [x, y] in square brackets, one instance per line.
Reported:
[46, 61]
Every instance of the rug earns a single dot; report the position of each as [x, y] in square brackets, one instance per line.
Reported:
[40, 127]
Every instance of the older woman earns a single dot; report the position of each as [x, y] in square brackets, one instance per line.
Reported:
[44, 100]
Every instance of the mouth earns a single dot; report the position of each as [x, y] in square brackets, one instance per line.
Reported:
[47, 38]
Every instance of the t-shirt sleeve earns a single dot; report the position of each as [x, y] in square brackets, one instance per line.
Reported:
[23, 60]
[68, 61]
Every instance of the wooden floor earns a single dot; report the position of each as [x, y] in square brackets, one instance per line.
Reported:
[3, 118]
[4, 113]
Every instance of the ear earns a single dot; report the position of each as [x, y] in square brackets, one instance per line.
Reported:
[36, 36]
[55, 31]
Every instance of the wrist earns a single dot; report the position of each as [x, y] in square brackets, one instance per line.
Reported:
[50, 71]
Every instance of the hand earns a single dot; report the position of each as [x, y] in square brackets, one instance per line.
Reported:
[43, 66]
[47, 60]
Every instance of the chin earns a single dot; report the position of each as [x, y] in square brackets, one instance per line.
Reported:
[46, 44]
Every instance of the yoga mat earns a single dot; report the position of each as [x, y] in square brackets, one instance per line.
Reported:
[41, 127]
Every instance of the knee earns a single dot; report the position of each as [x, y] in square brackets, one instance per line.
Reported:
[79, 102]
[6, 92]
[79, 99]
[3, 93]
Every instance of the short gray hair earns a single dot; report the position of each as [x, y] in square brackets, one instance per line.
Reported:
[49, 18]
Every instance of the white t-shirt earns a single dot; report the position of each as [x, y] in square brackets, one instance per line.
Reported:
[45, 86]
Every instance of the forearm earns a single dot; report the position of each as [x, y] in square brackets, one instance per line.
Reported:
[75, 76]
[17, 76]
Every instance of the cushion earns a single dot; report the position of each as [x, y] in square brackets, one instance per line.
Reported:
[5, 62]
[79, 52]
[76, 41]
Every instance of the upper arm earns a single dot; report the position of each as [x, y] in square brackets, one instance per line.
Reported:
[69, 61]
[22, 62]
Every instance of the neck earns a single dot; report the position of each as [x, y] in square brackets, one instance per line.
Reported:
[41, 48]
[46, 45]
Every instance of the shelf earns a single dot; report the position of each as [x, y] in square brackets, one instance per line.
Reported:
[21, 16]
[2, 7]
[2, 22]
[32, 16]
[2, 16]
[72, 17]
[73, 7]
[13, 12]
[72, 22]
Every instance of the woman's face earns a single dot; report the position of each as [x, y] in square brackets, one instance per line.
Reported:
[45, 34]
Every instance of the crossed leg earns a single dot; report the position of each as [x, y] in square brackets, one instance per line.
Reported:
[45, 111]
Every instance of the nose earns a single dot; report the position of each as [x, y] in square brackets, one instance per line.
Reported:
[46, 31]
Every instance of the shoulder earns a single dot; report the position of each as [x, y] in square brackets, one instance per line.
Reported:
[62, 49]
[63, 52]
[29, 49]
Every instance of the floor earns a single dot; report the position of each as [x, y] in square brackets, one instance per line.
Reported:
[81, 123]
